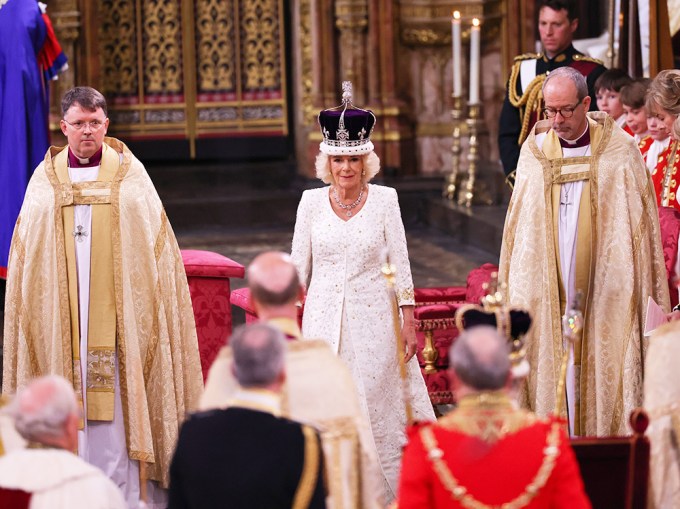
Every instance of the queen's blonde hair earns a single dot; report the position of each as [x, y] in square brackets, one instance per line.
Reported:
[370, 163]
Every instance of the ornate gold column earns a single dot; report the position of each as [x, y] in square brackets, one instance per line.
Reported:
[65, 16]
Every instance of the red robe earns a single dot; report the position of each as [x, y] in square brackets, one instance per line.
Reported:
[644, 145]
[491, 453]
[665, 183]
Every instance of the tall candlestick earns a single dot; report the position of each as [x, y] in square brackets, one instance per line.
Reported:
[457, 57]
[474, 61]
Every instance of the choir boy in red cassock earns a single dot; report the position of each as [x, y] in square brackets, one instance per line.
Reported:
[660, 140]
[633, 101]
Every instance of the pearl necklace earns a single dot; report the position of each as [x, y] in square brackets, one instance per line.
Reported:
[351, 206]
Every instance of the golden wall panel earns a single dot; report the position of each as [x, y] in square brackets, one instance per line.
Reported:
[193, 68]
[162, 43]
[260, 47]
[215, 49]
[118, 43]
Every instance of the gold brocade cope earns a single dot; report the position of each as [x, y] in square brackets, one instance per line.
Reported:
[101, 349]
[155, 333]
[622, 263]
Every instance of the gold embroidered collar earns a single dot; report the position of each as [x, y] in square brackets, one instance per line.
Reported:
[489, 416]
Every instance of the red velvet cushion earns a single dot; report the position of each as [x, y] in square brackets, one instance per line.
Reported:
[435, 312]
[475, 282]
[439, 295]
[208, 264]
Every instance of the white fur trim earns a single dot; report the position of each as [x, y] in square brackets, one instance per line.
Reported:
[331, 150]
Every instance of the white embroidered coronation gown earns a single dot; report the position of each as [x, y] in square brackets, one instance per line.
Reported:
[348, 305]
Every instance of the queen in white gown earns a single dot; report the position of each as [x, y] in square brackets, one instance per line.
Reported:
[343, 234]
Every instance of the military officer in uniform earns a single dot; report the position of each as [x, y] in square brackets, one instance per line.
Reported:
[557, 23]
[247, 455]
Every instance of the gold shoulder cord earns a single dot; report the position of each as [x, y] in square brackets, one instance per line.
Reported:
[460, 493]
[528, 102]
[510, 179]
[310, 468]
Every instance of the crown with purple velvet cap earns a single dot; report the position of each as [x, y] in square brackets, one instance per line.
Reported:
[346, 129]
[512, 323]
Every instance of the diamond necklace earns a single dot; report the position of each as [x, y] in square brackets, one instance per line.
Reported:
[351, 206]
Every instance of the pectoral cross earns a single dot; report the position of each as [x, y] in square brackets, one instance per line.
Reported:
[566, 200]
[79, 233]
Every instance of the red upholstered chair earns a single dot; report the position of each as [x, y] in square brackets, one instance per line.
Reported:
[436, 330]
[669, 220]
[615, 470]
[209, 276]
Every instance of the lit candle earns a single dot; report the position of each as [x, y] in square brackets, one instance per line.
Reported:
[455, 41]
[474, 62]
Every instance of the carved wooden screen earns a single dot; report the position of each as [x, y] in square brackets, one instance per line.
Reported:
[193, 69]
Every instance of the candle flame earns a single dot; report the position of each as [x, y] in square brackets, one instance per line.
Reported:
[475, 22]
[456, 14]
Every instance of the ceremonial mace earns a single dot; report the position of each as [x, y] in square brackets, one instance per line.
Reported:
[389, 271]
[572, 325]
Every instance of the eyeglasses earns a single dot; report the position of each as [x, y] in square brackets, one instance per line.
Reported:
[94, 125]
[566, 112]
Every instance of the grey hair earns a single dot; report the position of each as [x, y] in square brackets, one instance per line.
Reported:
[259, 354]
[88, 98]
[371, 164]
[576, 78]
[41, 409]
[483, 369]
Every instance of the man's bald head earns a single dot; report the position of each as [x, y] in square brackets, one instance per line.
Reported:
[480, 359]
[273, 279]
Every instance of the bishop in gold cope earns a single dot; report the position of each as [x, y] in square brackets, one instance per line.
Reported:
[582, 216]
